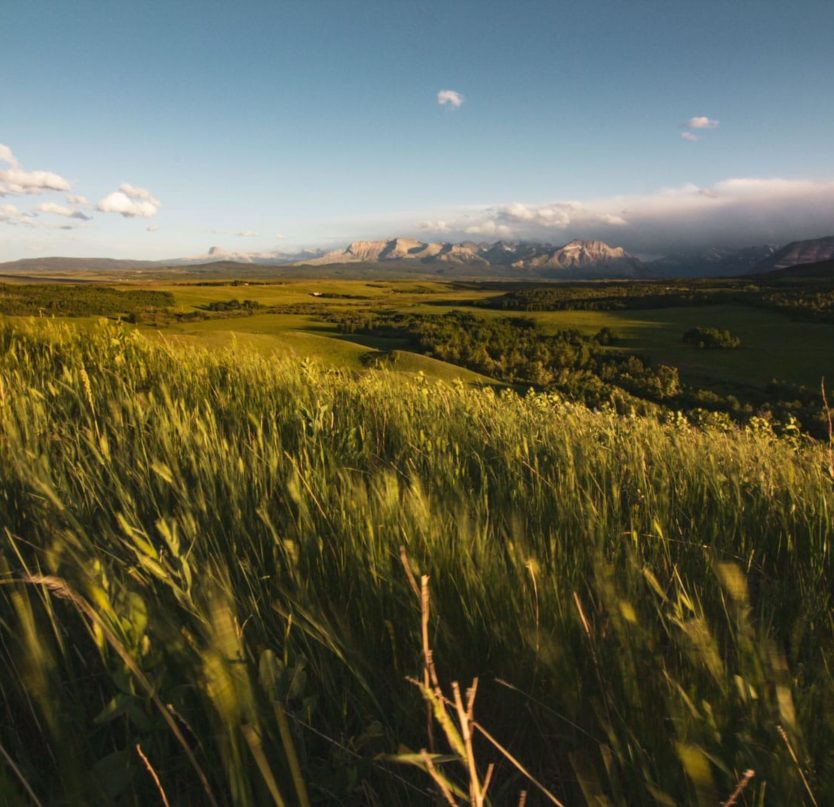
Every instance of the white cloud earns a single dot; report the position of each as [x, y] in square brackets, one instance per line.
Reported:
[247, 234]
[61, 210]
[138, 193]
[451, 98]
[733, 212]
[702, 122]
[77, 199]
[689, 137]
[15, 180]
[6, 155]
[280, 236]
[489, 229]
[436, 226]
[9, 214]
[152, 228]
[130, 202]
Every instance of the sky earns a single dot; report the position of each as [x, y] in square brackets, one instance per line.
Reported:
[157, 130]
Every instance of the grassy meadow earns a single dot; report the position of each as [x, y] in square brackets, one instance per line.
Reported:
[215, 560]
[774, 345]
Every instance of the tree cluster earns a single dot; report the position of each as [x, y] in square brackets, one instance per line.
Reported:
[711, 339]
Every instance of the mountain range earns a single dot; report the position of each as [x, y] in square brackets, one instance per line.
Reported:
[577, 259]
[576, 256]
[523, 260]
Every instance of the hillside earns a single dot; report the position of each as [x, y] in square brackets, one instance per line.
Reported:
[796, 253]
[714, 262]
[217, 559]
[58, 265]
[822, 270]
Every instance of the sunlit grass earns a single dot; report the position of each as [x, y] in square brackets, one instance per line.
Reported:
[202, 557]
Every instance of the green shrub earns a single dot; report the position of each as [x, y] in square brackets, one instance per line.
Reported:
[711, 338]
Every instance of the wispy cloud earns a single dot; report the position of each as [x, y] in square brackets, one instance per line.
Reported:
[152, 228]
[9, 214]
[246, 234]
[77, 199]
[61, 210]
[689, 137]
[450, 98]
[131, 202]
[702, 122]
[14, 180]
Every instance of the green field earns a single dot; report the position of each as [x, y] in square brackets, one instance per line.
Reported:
[774, 345]
[774, 375]
[213, 557]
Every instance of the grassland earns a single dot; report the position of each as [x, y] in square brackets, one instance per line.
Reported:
[203, 561]
[774, 345]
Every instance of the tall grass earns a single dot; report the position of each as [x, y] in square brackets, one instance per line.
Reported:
[202, 596]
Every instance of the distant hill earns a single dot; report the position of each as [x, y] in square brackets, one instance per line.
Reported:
[714, 262]
[822, 270]
[56, 265]
[814, 250]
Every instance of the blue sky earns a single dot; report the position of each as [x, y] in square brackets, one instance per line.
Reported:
[319, 121]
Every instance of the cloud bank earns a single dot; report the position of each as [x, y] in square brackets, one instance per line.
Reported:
[734, 212]
[130, 202]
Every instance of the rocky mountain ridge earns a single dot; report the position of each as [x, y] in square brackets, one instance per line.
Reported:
[403, 249]
[505, 259]
[577, 256]
[797, 253]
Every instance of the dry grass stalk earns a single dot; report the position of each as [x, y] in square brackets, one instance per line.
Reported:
[438, 779]
[740, 787]
[429, 671]
[784, 736]
[147, 763]
[459, 732]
